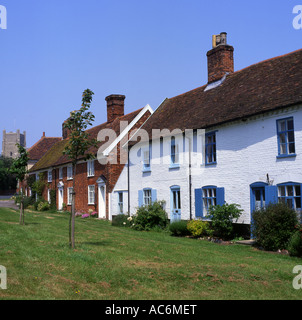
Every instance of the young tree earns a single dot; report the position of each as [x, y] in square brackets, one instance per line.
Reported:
[78, 147]
[19, 169]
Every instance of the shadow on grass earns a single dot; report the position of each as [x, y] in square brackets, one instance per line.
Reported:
[96, 243]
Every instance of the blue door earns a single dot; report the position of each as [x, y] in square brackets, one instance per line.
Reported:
[258, 200]
[175, 204]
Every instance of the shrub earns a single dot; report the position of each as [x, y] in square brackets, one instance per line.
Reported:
[27, 201]
[85, 215]
[94, 214]
[199, 228]
[53, 202]
[43, 206]
[150, 217]
[179, 228]
[120, 220]
[273, 226]
[295, 243]
[222, 219]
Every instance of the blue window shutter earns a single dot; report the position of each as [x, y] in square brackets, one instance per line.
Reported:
[154, 195]
[198, 203]
[271, 194]
[220, 196]
[140, 198]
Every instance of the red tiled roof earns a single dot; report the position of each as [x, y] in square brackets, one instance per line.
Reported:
[55, 157]
[259, 88]
[37, 151]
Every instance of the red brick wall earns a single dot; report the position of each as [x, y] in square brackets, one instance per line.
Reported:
[220, 61]
[111, 171]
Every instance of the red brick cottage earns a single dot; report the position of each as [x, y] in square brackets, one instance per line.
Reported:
[35, 153]
[95, 180]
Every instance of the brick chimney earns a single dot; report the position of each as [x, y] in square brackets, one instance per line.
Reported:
[115, 106]
[66, 131]
[220, 58]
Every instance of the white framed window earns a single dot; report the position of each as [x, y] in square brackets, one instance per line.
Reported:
[60, 173]
[147, 197]
[120, 202]
[290, 194]
[69, 196]
[90, 168]
[209, 198]
[37, 177]
[69, 173]
[48, 196]
[146, 159]
[174, 153]
[91, 194]
[49, 176]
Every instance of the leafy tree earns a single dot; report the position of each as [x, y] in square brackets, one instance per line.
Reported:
[19, 169]
[38, 185]
[7, 180]
[78, 147]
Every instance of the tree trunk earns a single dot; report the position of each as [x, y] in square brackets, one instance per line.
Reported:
[73, 210]
[21, 220]
[21, 212]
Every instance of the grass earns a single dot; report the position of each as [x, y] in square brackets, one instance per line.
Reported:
[123, 264]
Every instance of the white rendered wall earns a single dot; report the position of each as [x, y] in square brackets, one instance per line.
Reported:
[121, 186]
[246, 153]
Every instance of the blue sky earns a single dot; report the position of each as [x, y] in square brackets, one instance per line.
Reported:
[147, 50]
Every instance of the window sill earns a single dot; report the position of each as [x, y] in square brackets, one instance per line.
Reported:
[282, 156]
[69, 178]
[210, 164]
[146, 170]
[91, 176]
[174, 166]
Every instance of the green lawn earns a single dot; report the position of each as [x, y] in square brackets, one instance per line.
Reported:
[119, 263]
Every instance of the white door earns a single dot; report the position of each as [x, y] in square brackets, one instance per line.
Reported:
[102, 201]
[60, 197]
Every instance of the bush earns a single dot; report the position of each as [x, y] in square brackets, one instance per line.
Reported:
[27, 201]
[43, 206]
[179, 228]
[273, 226]
[295, 243]
[150, 217]
[53, 201]
[121, 220]
[199, 228]
[222, 219]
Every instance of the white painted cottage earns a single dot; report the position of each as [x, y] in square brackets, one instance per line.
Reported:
[237, 139]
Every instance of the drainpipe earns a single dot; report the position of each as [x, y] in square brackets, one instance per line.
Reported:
[190, 178]
[128, 178]
[190, 171]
